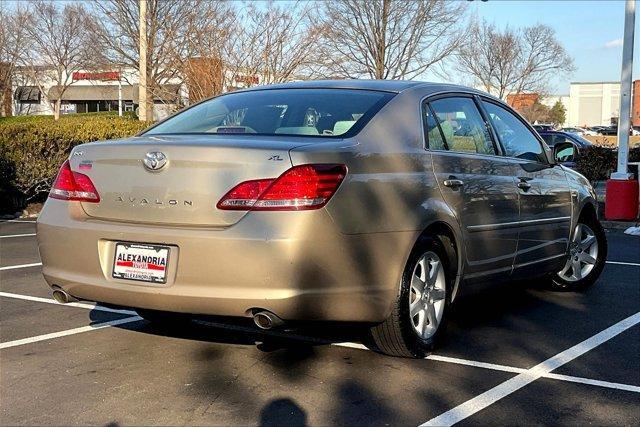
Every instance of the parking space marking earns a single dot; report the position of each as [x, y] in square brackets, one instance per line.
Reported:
[588, 381]
[512, 369]
[510, 386]
[434, 357]
[68, 332]
[71, 304]
[635, 264]
[14, 267]
[17, 235]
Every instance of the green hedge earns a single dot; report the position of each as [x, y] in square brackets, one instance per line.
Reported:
[596, 163]
[32, 148]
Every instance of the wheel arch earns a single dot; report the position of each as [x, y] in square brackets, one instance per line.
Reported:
[451, 241]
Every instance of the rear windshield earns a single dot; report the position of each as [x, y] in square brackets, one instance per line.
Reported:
[310, 112]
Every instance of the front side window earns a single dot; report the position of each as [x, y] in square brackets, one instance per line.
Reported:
[309, 112]
[462, 126]
[517, 139]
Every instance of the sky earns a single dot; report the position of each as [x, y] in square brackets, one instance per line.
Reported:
[591, 32]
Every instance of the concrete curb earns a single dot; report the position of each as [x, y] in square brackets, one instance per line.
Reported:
[619, 225]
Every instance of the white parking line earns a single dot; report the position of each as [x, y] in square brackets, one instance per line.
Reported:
[512, 369]
[68, 332]
[17, 235]
[19, 220]
[14, 267]
[71, 304]
[635, 264]
[504, 389]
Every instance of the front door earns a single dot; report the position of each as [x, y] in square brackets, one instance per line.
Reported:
[476, 182]
[545, 199]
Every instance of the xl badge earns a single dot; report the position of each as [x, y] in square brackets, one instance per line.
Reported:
[154, 160]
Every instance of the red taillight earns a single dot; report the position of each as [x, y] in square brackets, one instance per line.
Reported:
[299, 188]
[70, 185]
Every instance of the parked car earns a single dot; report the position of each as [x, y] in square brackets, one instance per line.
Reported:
[543, 127]
[613, 131]
[598, 129]
[579, 131]
[378, 202]
[574, 145]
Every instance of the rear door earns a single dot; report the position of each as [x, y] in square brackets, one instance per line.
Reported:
[545, 199]
[475, 181]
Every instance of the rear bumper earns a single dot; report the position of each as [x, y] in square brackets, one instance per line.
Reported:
[295, 264]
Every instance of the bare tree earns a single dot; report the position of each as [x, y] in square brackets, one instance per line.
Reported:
[256, 45]
[276, 42]
[388, 39]
[177, 30]
[513, 61]
[12, 43]
[56, 47]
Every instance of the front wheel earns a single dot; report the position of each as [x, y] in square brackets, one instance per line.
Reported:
[585, 259]
[418, 319]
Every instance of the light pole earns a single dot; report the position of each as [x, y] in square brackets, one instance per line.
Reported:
[624, 121]
[622, 190]
[142, 84]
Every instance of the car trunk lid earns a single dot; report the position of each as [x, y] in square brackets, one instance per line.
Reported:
[199, 170]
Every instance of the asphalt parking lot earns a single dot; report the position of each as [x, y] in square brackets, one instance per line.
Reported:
[515, 354]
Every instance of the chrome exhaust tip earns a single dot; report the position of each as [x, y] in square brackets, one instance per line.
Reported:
[61, 296]
[267, 320]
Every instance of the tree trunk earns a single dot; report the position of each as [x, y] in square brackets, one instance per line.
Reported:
[56, 109]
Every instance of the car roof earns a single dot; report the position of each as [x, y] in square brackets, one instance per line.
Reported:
[395, 86]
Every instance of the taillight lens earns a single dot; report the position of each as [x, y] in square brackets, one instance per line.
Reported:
[302, 187]
[70, 185]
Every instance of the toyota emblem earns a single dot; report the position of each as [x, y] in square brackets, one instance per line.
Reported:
[154, 160]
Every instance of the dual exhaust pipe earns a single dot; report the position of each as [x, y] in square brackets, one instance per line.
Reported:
[267, 320]
[263, 319]
[62, 297]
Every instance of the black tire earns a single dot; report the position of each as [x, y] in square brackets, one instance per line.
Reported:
[164, 319]
[557, 283]
[396, 336]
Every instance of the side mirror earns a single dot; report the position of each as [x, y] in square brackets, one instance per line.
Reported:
[564, 152]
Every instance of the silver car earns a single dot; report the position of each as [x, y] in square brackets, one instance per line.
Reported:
[356, 201]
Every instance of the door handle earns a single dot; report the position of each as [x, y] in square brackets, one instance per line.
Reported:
[453, 183]
[523, 185]
[524, 182]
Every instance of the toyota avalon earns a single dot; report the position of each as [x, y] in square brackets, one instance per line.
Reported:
[378, 202]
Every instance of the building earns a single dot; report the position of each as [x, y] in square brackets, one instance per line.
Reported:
[519, 101]
[635, 104]
[593, 104]
[90, 92]
[95, 91]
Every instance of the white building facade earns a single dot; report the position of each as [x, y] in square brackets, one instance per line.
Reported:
[593, 103]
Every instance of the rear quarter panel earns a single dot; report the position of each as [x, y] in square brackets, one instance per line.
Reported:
[390, 187]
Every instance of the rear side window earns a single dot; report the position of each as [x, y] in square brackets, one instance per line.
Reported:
[431, 130]
[517, 140]
[309, 112]
[462, 126]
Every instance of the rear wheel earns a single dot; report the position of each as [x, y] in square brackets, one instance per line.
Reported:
[585, 259]
[418, 319]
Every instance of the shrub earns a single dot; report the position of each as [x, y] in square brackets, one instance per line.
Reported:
[33, 147]
[596, 163]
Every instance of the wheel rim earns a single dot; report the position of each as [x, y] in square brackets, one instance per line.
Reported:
[427, 296]
[583, 254]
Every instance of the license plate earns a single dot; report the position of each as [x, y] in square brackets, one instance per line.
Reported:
[146, 263]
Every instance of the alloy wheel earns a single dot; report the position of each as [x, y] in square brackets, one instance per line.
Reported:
[583, 254]
[427, 295]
